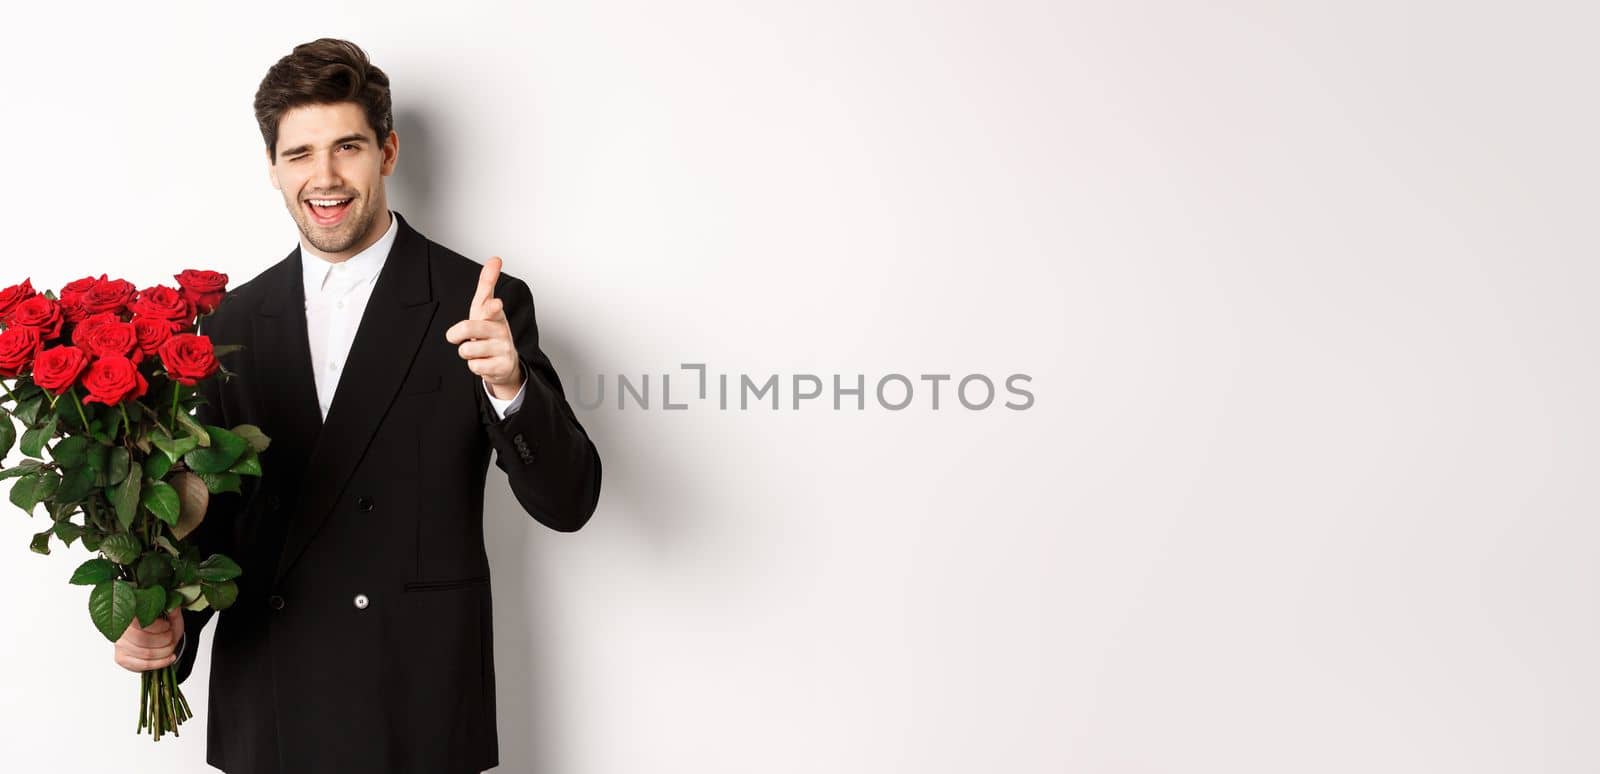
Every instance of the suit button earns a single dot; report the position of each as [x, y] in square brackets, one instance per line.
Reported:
[272, 502]
[364, 503]
[361, 601]
[275, 602]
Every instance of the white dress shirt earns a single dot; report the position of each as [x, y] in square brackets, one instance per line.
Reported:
[336, 296]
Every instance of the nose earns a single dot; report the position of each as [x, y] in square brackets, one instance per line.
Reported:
[324, 175]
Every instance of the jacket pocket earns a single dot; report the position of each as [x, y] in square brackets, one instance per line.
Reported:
[449, 583]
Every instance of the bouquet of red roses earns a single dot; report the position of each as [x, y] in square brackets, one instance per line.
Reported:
[102, 381]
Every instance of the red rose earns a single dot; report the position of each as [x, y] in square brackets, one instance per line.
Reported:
[37, 312]
[203, 287]
[72, 307]
[78, 287]
[111, 380]
[14, 295]
[81, 331]
[17, 348]
[103, 334]
[188, 358]
[164, 303]
[73, 310]
[107, 296]
[152, 333]
[57, 368]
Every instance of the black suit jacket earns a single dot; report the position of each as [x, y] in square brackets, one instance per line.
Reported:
[362, 640]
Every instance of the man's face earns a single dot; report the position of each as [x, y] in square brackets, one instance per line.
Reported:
[329, 154]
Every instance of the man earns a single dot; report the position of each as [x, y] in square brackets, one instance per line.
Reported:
[384, 367]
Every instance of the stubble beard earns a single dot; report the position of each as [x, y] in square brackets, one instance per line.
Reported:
[343, 236]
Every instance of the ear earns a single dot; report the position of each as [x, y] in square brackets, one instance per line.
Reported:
[391, 153]
[272, 172]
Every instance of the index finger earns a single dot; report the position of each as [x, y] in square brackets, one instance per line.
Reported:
[486, 282]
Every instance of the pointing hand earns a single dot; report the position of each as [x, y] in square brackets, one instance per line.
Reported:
[484, 338]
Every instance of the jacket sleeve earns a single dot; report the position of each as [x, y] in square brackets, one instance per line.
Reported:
[553, 467]
[215, 533]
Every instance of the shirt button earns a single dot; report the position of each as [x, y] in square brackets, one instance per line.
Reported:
[364, 503]
[361, 601]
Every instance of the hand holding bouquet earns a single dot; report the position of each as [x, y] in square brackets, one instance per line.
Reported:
[102, 381]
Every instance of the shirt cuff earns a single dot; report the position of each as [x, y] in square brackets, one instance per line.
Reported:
[505, 408]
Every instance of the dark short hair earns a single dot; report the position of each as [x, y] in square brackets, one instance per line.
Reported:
[324, 71]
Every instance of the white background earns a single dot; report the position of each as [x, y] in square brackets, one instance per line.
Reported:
[1306, 291]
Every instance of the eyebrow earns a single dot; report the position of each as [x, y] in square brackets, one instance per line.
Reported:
[340, 141]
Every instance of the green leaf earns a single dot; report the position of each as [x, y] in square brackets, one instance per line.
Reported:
[98, 457]
[194, 596]
[111, 607]
[41, 543]
[8, 435]
[166, 545]
[93, 571]
[253, 436]
[67, 531]
[156, 466]
[117, 466]
[91, 540]
[153, 569]
[175, 447]
[77, 484]
[221, 482]
[33, 488]
[125, 497]
[28, 409]
[220, 595]
[59, 509]
[223, 451]
[34, 439]
[72, 452]
[122, 548]
[148, 604]
[23, 468]
[217, 568]
[162, 500]
[225, 349]
[248, 465]
[195, 430]
[174, 600]
[184, 573]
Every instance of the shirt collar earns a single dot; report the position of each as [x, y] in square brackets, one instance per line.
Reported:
[359, 267]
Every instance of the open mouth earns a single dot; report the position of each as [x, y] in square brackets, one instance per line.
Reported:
[327, 212]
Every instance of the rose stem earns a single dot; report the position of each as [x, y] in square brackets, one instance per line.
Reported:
[78, 404]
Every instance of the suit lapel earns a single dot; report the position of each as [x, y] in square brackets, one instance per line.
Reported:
[396, 319]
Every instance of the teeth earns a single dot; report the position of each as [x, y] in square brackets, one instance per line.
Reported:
[328, 202]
